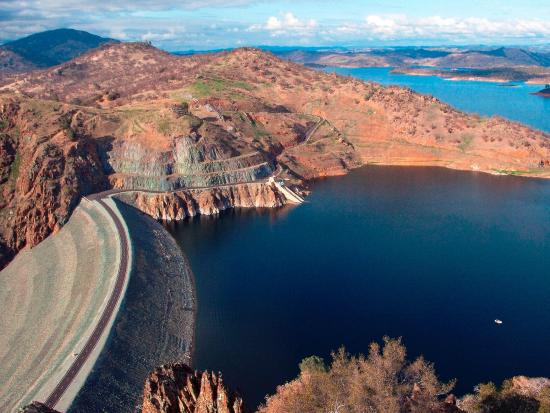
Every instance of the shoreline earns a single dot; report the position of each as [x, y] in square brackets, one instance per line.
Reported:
[470, 78]
[156, 322]
[101, 367]
[68, 388]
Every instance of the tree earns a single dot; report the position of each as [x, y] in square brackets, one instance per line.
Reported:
[384, 381]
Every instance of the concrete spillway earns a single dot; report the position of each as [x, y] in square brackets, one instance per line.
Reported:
[289, 194]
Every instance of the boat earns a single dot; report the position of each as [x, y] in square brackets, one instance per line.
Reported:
[497, 321]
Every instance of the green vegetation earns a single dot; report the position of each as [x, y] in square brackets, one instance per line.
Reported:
[466, 141]
[313, 364]
[14, 169]
[489, 399]
[370, 92]
[208, 87]
[518, 172]
[163, 126]
[260, 133]
[65, 123]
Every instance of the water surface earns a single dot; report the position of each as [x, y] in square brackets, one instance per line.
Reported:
[428, 254]
[486, 98]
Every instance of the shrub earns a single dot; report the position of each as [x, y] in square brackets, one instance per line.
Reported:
[312, 364]
[382, 381]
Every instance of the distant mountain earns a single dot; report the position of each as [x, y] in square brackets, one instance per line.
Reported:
[47, 49]
[479, 58]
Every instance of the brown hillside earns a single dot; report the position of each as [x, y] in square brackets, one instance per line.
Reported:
[132, 116]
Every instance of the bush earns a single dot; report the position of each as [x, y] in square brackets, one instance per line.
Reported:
[382, 381]
[313, 364]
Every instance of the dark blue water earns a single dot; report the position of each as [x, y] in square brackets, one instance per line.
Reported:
[486, 98]
[429, 254]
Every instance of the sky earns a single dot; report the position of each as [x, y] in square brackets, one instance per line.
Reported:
[211, 24]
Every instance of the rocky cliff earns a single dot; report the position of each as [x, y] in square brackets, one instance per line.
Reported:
[188, 203]
[132, 117]
[176, 388]
[43, 172]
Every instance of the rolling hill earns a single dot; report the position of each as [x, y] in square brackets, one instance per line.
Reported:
[46, 49]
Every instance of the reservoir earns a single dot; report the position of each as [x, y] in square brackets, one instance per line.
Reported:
[430, 255]
[427, 254]
[512, 101]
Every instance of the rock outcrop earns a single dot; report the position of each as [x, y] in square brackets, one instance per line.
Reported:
[133, 117]
[182, 204]
[44, 170]
[176, 388]
[37, 407]
[529, 386]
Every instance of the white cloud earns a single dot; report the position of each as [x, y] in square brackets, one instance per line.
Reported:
[284, 24]
[385, 26]
[394, 27]
[162, 22]
[273, 23]
[161, 36]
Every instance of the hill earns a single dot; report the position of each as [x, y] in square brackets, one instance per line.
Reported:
[442, 57]
[47, 49]
[128, 115]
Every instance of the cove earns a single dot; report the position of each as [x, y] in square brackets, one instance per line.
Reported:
[486, 98]
[427, 254]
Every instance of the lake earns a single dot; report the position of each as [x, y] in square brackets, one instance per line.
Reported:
[428, 254]
[486, 98]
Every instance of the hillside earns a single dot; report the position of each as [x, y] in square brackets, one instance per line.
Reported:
[131, 116]
[47, 49]
[442, 57]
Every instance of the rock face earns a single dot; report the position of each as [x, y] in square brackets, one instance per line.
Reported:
[176, 388]
[183, 204]
[529, 386]
[44, 171]
[133, 117]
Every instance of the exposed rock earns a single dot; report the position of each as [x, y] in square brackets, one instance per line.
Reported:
[246, 116]
[176, 388]
[43, 174]
[529, 386]
[183, 204]
[37, 407]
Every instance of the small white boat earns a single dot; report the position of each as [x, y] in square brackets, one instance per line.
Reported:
[497, 321]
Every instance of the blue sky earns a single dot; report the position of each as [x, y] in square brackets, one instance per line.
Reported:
[208, 24]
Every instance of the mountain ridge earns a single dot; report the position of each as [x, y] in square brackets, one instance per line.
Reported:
[48, 48]
[106, 119]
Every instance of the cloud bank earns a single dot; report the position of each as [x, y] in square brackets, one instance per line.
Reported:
[207, 24]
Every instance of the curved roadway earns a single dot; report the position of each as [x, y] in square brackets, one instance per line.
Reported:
[79, 361]
[82, 357]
